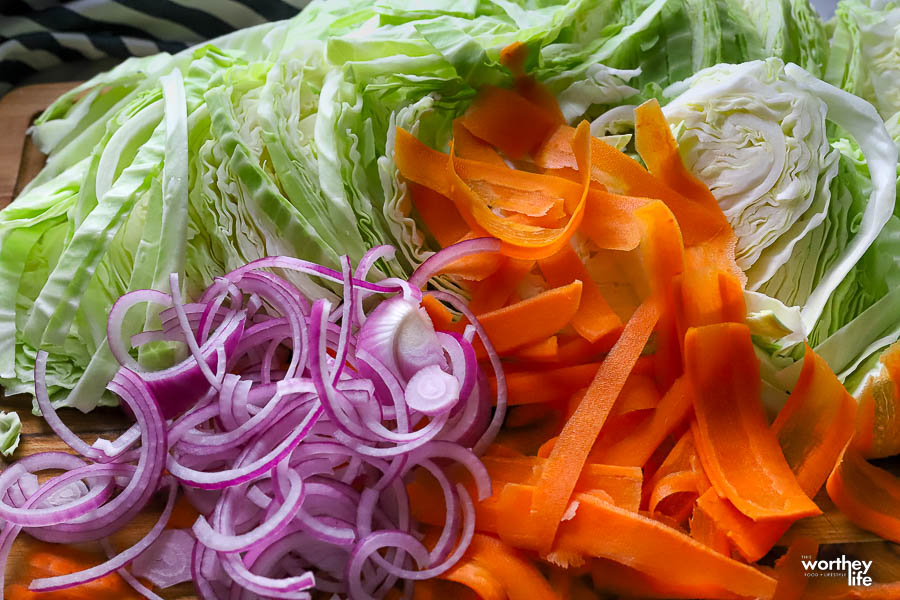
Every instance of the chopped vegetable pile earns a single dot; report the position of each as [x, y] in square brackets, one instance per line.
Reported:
[664, 439]
[291, 427]
[469, 299]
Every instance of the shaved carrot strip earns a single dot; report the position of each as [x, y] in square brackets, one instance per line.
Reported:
[878, 433]
[707, 294]
[440, 315]
[662, 252]
[657, 147]
[648, 546]
[792, 577]
[704, 530]
[622, 484]
[507, 121]
[812, 429]
[476, 578]
[680, 482]
[739, 452]
[636, 449]
[574, 349]
[469, 146]
[551, 385]
[55, 561]
[532, 320]
[475, 267]
[622, 174]
[439, 214]
[623, 581]
[638, 393]
[521, 241]
[529, 194]
[513, 57]
[869, 496]
[519, 578]
[594, 319]
[494, 292]
[815, 423]
[609, 220]
[544, 350]
[423, 165]
[659, 151]
[581, 431]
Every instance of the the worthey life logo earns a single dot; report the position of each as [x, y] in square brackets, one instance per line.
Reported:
[856, 571]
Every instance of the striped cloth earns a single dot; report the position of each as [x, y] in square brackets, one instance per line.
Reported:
[41, 34]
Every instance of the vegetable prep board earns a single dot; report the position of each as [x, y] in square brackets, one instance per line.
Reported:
[20, 161]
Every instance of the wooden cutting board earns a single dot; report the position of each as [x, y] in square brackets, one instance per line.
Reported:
[20, 161]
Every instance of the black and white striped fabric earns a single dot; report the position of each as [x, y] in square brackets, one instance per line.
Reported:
[42, 34]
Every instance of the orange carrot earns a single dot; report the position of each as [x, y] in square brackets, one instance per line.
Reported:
[183, 514]
[740, 454]
[439, 215]
[659, 151]
[622, 174]
[792, 577]
[440, 315]
[639, 393]
[812, 429]
[494, 292]
[879, 421]
[581, 431]
[507, 121]
[518, 577]
[594, 319]
[708, 295]
[609, 220]
[550, 385]
[519, 240]
[543, 350]
[474, 267]
[704, 530]
[815, 423]
[513, 57]
[680, 482]
[422, 165]
[662, 253]
[469, 146]
[574, 349]
[477, 578]
[636, 449]
[648, 546]
[623, 581]
[531, 194]
[55, 560]
[868, 495]
[532, 320]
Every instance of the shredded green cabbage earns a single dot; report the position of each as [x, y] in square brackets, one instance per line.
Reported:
[278, 140]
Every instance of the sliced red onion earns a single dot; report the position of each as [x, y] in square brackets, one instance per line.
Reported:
[450, 254]
[222, 542]
[167, 561]
[283, 409]
[500, 411]
[432, 391]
